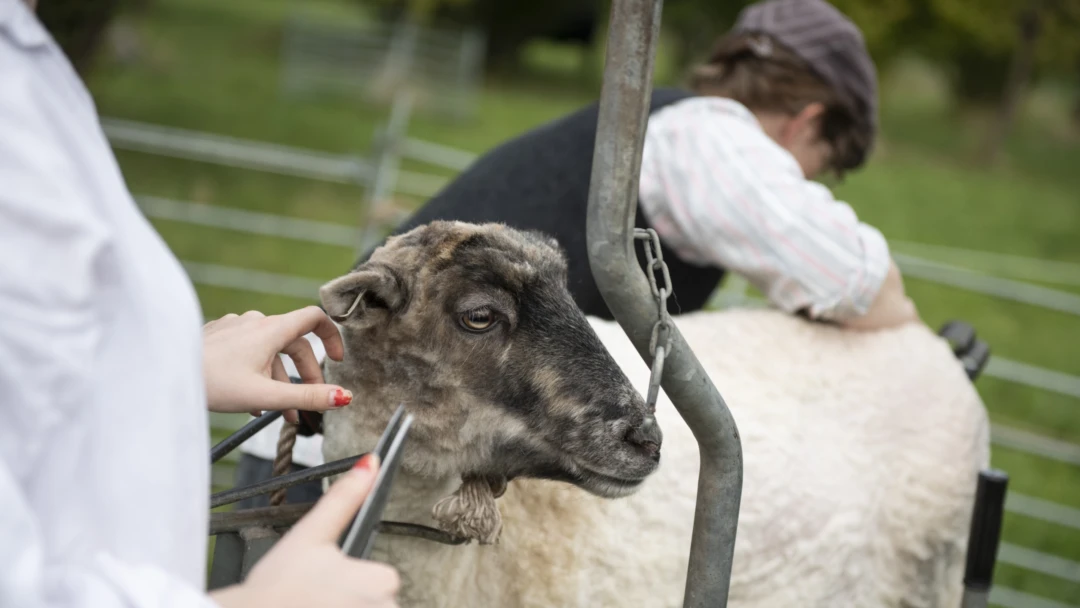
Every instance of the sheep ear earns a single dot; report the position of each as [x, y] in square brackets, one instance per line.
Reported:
[356, 294]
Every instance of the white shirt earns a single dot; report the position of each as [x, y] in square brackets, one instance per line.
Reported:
[719, 191]
[103, 442]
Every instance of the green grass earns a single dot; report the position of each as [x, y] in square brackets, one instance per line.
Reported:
[214, 66]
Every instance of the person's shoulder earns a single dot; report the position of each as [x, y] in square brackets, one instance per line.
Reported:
[709, 116]
[705, 105]
[720, 125]
[45, 180]
[20, 29]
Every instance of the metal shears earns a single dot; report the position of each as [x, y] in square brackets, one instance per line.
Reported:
[358, 540]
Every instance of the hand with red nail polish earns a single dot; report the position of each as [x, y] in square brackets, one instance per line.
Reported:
[243, 370]
[308, 568]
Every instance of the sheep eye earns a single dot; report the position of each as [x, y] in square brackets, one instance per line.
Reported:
[478, 319]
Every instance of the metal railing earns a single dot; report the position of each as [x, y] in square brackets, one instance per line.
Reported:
[442, 67]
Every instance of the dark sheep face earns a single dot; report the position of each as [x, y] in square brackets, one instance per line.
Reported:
[472, 328]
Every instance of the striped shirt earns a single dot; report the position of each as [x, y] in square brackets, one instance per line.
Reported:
[720, 192]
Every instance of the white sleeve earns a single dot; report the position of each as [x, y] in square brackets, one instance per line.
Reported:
[30, 578]
[51, 247]
[725, 194]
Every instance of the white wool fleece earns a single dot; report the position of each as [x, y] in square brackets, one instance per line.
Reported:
[861, 453]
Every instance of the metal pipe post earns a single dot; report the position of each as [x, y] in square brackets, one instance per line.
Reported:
[984, 537]
[624, 103]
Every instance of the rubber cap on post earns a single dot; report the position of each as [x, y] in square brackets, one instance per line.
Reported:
[985, 529]
[960, 335]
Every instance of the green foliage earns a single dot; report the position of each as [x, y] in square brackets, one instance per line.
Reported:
[421, 11]
[508, 25]
[694, 25]
[973, 39]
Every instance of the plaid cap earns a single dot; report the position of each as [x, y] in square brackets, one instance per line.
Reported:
[833, 46]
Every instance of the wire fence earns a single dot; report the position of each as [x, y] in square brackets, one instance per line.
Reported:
[441, 67]
[364, 172]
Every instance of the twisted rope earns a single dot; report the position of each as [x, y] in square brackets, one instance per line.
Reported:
[283, 460]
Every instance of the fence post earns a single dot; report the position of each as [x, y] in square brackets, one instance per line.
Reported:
[470, 65]
[984, 537]
[388, 146]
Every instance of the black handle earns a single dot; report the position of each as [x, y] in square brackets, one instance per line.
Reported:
[985, 529]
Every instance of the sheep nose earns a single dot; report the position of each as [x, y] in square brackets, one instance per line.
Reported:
[647, 436]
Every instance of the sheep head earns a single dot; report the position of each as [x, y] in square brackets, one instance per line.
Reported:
[473, 329]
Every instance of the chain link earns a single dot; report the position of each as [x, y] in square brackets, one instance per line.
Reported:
[660, 340]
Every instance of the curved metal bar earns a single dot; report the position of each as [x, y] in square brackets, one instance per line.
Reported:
[246, 432]
[284, 516]
[281, 482]
[624, 104]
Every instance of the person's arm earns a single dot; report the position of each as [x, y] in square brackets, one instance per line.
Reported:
[306, 567]
[891, 307]
[31, 576]
[51, 328]
[721, 193]
[52, 246]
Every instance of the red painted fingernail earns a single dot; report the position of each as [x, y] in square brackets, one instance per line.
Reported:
[340, 397]
[367, 463]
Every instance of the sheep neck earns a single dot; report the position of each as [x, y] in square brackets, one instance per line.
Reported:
[412, 498]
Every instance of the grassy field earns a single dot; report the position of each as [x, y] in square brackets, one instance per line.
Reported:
[213, 66]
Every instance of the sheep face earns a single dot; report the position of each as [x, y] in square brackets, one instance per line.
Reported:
[472, 328]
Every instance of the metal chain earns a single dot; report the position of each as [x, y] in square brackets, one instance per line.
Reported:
[660, 340]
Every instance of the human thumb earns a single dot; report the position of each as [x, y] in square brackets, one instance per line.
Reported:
[275, 395]
[328, 518]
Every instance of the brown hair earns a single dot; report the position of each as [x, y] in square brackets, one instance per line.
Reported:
[764, 75]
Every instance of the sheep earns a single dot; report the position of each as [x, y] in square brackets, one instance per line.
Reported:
[861, 449]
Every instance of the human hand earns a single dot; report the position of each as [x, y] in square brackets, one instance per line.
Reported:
[308, 568]
[244, 373]
[891, 308]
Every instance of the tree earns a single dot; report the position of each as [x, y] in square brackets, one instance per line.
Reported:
[978, 40]
[1029, 24]
[509, 25]
[78, 26]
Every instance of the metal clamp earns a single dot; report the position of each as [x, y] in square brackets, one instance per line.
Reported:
[972, 352]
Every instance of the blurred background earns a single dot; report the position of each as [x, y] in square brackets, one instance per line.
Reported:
[270, 140]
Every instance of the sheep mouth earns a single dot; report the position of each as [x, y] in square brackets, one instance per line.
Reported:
[605, 485]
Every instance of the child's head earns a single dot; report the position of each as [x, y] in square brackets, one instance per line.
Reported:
[802, 67]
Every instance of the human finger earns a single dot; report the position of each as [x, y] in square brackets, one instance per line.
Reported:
[328, 518]
[278, 374]
[312, 319]
[273, 395]
[250, 317]
[303, 357]
[277, 370]
[376, 581]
